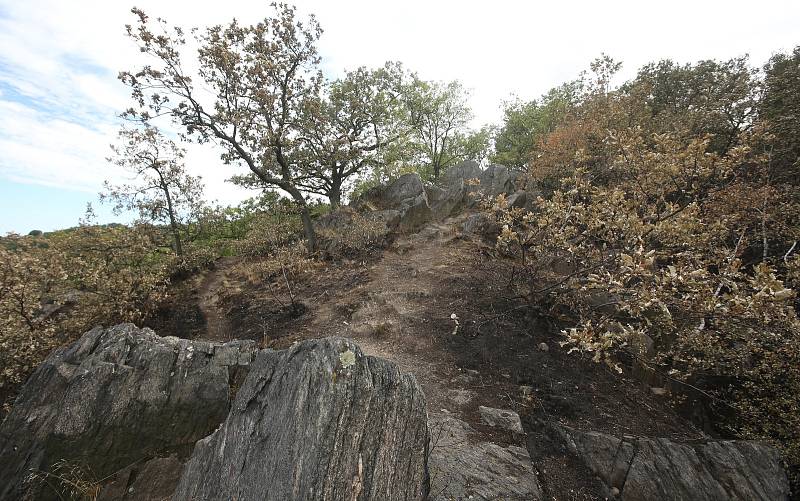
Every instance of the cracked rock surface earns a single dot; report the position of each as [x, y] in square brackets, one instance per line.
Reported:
[113, 398]
[464, 467]
[641, 468]
[317, 421]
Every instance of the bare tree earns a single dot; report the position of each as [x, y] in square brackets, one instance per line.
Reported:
[258, 77]
[162, 191]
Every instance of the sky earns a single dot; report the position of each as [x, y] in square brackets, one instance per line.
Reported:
[60, 97]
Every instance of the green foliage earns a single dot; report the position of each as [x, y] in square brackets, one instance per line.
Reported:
[709, 97]
[440, 133]
[269, 231]
[262, 77]
[526, 124]
[780, 108]
[348, 128]
[162, 192]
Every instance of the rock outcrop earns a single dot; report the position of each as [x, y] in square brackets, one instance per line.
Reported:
[404, 201]
[113, 398]
[317, 421]
[639, 468]
[464, 467]
[482, 225]
[155, 479]
[497, 179]
[413, 203]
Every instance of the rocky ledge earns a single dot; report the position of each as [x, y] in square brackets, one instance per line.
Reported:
[122, 410]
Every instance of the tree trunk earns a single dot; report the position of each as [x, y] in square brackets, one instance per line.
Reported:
[173, 224]
[308, 227]
[335, 195]
[176, 235]
[305, 215]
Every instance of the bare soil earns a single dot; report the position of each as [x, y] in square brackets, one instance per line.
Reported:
[399, 304]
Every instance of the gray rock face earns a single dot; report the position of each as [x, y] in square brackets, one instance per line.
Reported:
[464, 171]
[445, 201]
[464, 468]
[496, 179]
[454, 192]
[153, 479]
[502, 418]
[317, 421]
[518, 200]
[418, 204]
[403, 203]
[415, 214]
[482, 225]
[407, 186]
[114, 397]
[657, 468]
[389, 217]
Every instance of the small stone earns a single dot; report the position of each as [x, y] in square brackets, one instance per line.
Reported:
[658, 391]
[615, 492]
[543, 347]
[502, 418]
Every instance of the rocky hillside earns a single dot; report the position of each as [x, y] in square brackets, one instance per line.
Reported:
[417, 380]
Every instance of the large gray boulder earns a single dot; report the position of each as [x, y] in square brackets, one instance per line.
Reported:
[113, 398]
[406, 187]
[403, 203]
[415, 214]
[318, 421]
[444, 200]
[459, 174]
[657, 468]
[497, 179]
[451, 193]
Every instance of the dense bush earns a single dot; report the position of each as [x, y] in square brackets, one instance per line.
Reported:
[52, 289]
[347, 233]
[667, 236]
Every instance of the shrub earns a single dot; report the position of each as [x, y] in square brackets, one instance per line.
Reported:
[269, 232]
[672, 247]
[347, 233]
[51, 292]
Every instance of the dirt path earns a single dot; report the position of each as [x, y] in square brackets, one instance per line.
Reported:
[401, 314]
[211, 291]
[400, 307]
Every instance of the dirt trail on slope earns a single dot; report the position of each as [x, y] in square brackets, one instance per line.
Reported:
[400, 305]
[213, 288]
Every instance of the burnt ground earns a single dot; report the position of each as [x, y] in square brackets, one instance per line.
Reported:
[398, 304]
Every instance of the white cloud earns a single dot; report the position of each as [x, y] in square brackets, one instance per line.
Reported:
[58, 60]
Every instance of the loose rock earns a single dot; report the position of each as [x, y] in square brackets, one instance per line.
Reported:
[502, 418]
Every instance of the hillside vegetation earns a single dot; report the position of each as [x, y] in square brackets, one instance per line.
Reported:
[660, 233]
